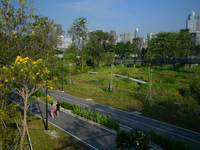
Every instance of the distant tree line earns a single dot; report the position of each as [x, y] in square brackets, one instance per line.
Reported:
[97, 45]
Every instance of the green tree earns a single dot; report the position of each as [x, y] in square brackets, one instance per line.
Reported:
[98, 45]
[137, 46]
[109, 58]
[120, 50]
[129, 49]
[25, 34]
[171, 44]
[78, 31]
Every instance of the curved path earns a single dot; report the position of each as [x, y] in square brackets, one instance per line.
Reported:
[130, 121]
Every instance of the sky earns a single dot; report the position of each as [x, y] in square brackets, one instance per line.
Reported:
[121, 15]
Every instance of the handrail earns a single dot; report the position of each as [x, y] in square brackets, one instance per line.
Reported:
[161, 60]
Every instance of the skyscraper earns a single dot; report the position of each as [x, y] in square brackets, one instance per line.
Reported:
[127, 37]
[193, 22]
[113, 33]
[197, 38]
[136, 32]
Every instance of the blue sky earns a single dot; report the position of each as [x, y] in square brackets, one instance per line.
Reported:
[121, 15]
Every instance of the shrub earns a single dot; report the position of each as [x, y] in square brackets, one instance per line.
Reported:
[39, 94]
[66, 105]
[135, 139]
[168, 143]
[171, 80]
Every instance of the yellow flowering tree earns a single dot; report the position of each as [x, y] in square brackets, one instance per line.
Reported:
[24, 33]
[25, 72]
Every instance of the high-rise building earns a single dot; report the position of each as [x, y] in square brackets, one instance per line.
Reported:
[193, 22]
[151, 35]
[197, 38]
[127, 37]
[113, 33]
[121, 37]
[136, 32]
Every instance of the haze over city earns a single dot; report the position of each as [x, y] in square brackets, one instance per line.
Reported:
[121, 15]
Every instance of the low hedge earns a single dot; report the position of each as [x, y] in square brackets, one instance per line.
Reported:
[97, 117]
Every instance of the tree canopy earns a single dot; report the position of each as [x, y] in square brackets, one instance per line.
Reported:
[24, 33]
[171, 44]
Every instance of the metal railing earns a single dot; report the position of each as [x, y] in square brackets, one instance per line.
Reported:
[160, 60]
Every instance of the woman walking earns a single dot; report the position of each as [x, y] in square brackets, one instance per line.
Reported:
[52, 110]
[57, 108]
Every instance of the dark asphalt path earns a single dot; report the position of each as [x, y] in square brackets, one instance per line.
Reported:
[88, 133]
[134, 121]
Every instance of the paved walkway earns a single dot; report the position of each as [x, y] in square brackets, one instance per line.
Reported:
[90, 134]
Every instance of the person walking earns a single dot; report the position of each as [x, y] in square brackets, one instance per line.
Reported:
[57, 108]
[52, 110]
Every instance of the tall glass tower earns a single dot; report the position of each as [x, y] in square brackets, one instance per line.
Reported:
[136, 32]
[192, 22]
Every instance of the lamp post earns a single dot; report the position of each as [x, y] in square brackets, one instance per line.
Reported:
[62, 76]
[46, 127]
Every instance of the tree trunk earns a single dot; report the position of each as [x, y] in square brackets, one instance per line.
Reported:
[25, 97]
[82, 59]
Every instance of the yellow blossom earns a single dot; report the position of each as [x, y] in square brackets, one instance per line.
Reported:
[6, 80]
[33, 32]
[24, 61]
[13, 31]
[7, 16]
[19, 58]
[26, 58]
[39, 60]
[33, 78]
[37, 73]
[15, 36]
[34, 62]
[22, 70]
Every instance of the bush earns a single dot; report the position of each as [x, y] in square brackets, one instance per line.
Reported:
[39, 94]
[135, 139]
[168, 143]
[171, 80]
[66, 105]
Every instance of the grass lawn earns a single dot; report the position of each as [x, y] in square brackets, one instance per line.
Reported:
[168, 104]
[43, 141]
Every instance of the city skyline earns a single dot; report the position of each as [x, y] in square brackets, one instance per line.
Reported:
[124, 16]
